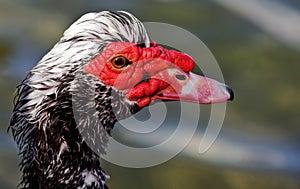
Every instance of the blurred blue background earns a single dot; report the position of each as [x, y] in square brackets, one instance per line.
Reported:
[257, 46]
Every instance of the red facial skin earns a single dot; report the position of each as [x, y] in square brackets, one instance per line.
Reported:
[149, 72]
[150, 62]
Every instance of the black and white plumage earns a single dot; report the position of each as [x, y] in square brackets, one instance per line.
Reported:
[54, 154]
[69, 102]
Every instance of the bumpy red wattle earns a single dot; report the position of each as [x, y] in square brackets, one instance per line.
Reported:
[146, 89]
[182, 60]
[144, 62]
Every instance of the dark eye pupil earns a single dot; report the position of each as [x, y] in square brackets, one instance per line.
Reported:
[119, 61]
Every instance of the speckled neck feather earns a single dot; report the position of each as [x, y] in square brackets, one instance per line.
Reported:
[54, 153]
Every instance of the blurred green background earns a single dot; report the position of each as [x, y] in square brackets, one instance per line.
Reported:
[258, 146]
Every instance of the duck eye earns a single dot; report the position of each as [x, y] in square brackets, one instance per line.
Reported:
[119, 62]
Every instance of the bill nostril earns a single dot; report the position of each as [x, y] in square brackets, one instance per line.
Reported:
[180, 77]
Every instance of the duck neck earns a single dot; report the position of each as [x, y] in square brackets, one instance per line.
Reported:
[54, 153]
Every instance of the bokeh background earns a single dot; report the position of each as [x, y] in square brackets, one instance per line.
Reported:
[257, 45]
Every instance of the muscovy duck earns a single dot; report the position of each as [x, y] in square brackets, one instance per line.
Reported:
[121, 71]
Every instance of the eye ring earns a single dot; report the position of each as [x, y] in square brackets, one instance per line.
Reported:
[119, 62]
